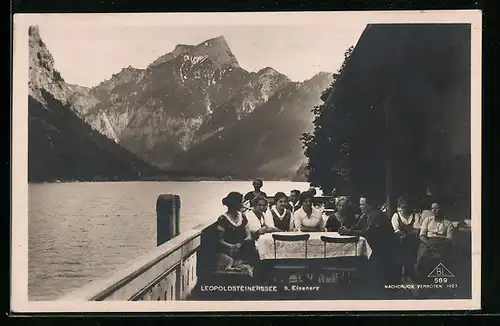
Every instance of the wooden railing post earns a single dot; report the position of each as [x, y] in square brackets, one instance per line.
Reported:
[168, 209]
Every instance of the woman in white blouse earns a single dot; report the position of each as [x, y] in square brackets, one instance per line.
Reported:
[405, 221]
[406, 225]
[282, 217]
[308, 218]
[258, 218]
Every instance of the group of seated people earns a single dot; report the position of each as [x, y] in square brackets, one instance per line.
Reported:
[412, 240]
[248, 217]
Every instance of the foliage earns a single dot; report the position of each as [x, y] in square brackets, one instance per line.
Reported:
[329, 153]
[377, 115]
[351, 144]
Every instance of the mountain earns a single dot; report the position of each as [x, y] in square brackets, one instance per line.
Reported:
[193, 111]
[265, 143]
[260, 87]
[42, 74]
[179, 100]
[302, 173]
[60, 144]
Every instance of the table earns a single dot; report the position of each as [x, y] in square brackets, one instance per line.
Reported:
[315, 247]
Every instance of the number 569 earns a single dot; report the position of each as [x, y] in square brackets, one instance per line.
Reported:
[440, 280]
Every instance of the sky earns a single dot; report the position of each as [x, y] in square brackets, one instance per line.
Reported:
[88, 49]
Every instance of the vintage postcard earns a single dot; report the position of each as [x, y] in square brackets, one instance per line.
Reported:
[194, 162]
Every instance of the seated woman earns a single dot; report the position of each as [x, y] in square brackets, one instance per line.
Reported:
[332, 204]
[282, 217]
[236, 247]
[405, 221]
[343, 217]
[436, 239]
[406, 225]
[258, 218]
[308, 218]
[315, 204]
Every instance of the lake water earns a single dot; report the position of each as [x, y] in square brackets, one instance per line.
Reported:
[80, 231]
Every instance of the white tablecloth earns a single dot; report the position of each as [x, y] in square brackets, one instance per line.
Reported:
[315, 247]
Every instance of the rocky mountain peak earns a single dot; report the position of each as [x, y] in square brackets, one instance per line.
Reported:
[127, 70]
[270, 76]
[40, 57]
[42, 74]
[215, 49]
[34, 32]
[181, 48]
[267, 70]
[178, 50]
[218, 51]
[320, 78]
[218, 41]
[125, 75]
[321, 75]
[184, 101]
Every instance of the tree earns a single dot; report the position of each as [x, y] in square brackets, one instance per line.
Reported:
[395, 120]
[328, 151]
[351, 143]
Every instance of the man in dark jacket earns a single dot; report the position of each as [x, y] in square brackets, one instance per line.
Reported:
[257, 186]
[294, 203]
[376, 228]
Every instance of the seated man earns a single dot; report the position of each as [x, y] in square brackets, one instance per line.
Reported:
[436, 239]
[294, 203]
[376, 228]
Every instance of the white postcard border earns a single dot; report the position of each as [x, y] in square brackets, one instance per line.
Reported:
[19, 197]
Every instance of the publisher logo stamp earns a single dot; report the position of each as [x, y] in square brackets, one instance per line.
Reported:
[441, 274]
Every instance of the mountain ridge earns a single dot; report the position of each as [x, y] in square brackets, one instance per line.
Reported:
[267, 142]
[177, 100]
[186, 99]
[61, 146]
[216, 49]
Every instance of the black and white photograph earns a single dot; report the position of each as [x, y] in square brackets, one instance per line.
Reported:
[220, 161]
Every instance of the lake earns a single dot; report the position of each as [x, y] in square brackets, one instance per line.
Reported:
[80, 231]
